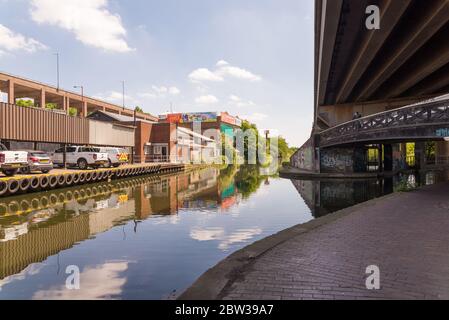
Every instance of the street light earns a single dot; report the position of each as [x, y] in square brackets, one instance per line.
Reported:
[57, 69]
[123, 91]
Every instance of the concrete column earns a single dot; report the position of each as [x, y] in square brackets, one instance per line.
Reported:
[85, 109]
[442, 153]
[43, 99]
[67, 105]
[64, 104]
[388, 165]
[381, 157]
[420, 155]
[11, 93]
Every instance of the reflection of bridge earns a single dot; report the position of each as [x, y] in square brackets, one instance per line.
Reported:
[380, 74]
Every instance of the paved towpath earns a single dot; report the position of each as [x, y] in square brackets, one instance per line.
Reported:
[406, 235]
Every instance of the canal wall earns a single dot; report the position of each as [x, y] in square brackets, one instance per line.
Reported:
[67, 178]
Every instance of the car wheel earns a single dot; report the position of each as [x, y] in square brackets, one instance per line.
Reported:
[45, 171]
[82, 164]
[10, 173]
[25, 170]
[109, 163]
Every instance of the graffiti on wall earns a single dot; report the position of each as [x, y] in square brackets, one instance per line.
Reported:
[337, 160]
[303, 158]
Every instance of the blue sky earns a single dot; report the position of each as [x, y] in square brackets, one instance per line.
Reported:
[252, 58]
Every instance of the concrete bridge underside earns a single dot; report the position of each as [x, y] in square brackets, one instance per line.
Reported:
[380, 74]
[370, 71]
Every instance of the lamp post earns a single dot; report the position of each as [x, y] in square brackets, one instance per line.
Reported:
[123, 91]
[57, 69]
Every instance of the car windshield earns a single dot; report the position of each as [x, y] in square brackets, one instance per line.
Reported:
[3, 148]
[39, 154]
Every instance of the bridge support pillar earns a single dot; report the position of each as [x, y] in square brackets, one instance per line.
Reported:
[388, 157]
[420, 155]
[442, 153]
[381, 158]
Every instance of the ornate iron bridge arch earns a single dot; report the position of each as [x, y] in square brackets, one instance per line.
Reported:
[427, 120]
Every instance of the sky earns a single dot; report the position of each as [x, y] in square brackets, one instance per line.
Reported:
[251, 58]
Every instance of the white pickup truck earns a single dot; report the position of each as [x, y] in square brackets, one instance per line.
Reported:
[12, 161]
[81, 157]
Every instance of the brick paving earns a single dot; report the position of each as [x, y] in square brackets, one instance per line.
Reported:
[406, 236]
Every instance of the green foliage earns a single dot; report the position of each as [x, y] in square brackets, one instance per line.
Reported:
[139, 109]
[248, 180]
[73, 112]
[51, 106]
[25, 103]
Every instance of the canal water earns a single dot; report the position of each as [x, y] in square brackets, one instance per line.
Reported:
[151, 237]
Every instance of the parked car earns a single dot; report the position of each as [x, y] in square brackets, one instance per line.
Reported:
[38, 161]
[116, 156]
[81, 157]
[11, 161]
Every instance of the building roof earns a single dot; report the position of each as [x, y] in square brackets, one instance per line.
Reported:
[118, 117]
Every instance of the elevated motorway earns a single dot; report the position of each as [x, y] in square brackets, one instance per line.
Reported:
[378, 87]
[370, 71]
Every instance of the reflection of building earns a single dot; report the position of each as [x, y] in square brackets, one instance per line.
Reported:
[324, 197]
[47, 231]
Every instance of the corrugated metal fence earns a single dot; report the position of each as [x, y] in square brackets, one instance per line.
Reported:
[46, 126]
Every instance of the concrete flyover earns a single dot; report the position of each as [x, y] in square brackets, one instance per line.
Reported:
[372, 75]
[20, 88]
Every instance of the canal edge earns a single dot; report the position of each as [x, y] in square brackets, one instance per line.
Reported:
[213, 284]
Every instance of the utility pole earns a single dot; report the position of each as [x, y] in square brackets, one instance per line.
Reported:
[123, 90]
[57, 70]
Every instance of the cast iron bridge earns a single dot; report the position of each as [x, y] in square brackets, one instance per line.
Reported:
[427, 121]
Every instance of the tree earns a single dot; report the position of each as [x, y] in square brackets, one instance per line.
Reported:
[139, 109]
[73, 112]
[26, 103]
[51, 106]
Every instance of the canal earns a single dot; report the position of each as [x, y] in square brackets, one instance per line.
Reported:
[151, 237]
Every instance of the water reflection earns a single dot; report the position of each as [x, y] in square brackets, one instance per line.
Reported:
[137, 238]
[328, 196]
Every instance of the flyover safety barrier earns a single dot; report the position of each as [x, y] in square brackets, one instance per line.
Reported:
[44, 182]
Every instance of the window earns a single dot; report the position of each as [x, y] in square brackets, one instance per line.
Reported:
[157, 150]
[147, 150]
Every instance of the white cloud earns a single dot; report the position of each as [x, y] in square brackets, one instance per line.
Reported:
[255, 117]
[234, 98]
[225, 241]
[160, 92]
[12, 41]
[239, 73]
[203, 74]
[223, 70]
[209, 99]
[114, 97]
[222, 63]
[90, 20]
[174, 91]
[96, 283]
[239, 102]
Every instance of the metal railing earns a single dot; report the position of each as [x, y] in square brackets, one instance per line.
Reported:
[433, 112]
[154, 159]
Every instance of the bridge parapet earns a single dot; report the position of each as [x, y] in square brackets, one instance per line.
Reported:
[427, 120]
